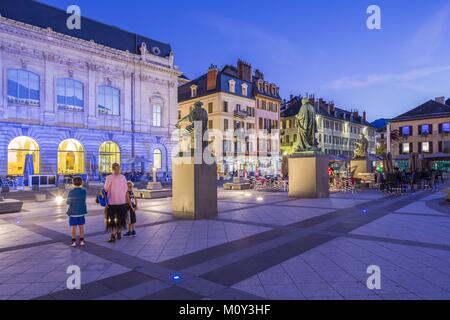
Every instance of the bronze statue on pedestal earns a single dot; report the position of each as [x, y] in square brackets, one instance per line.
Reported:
[361, 147]
[307, 128]
[196, 128]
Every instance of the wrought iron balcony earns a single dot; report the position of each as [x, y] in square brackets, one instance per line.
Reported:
[240, 113]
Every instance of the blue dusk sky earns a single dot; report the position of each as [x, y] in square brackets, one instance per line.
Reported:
[322, 46]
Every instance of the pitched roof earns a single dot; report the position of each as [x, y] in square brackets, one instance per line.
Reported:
[430, 109]
[292, 108]
[45, 16]
[223, 76]
[380, 123]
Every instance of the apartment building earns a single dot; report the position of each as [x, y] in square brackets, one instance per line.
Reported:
[338, 129]
[424, 130]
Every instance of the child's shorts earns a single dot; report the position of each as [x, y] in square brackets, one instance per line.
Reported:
[76, 221]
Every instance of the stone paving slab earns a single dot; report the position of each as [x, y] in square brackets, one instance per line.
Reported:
[420, 228]
[167, 241]
[262, 246]
[421, 207]
[11, 234]
[324, 273]
[274, 215]
[42, 270]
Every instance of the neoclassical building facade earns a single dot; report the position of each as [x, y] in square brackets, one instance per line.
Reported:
[77, 105]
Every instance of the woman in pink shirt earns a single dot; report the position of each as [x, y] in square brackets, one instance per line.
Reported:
[116, 189]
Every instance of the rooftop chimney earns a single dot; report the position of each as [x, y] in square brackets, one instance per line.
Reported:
[440, 100]
[244, 70]
[212, 77]
[259, 74]
[332, 107]
[364, 117]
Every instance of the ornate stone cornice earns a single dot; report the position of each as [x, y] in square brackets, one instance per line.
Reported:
[22, 30]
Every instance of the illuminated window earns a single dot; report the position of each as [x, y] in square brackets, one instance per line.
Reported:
[157, 116]
[108, 100]
[109, 153]
[69, 94]
[405, 148]
[157, 159]
[23, 87]
[18, 149]
[425, 147]
[70, 157]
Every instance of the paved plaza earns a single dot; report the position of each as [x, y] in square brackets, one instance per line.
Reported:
[262, 246]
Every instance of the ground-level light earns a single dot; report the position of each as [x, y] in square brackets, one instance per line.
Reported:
[59, 200]
[176, 278]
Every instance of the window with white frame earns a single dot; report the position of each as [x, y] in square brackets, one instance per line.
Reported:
[425, 147]
[157, 115]
[244, 89]
[69, 94]
[232, 86]
[23, 87]
[193, 91]
[108, 100]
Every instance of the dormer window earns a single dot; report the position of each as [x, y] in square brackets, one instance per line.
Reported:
[232, 86]
[244, 89]
[193, 91]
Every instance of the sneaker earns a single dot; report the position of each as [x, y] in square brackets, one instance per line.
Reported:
[112, 239]
[73, 243]
[133, 233]
[119, 236]
[128, 234]
[82, 242]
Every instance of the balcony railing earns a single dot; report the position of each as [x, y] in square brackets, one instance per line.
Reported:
[241, 113]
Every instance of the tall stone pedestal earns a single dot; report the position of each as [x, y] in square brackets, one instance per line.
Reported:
[194, 189]
[308, 176]
[358, 166]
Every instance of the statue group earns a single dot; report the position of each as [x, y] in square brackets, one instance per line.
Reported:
[306, 128]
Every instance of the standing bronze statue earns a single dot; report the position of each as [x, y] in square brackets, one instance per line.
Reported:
[361, 147]
[307, 127]
[197, 127]
[198, 113]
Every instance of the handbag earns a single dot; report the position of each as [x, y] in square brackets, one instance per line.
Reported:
[102, 198]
